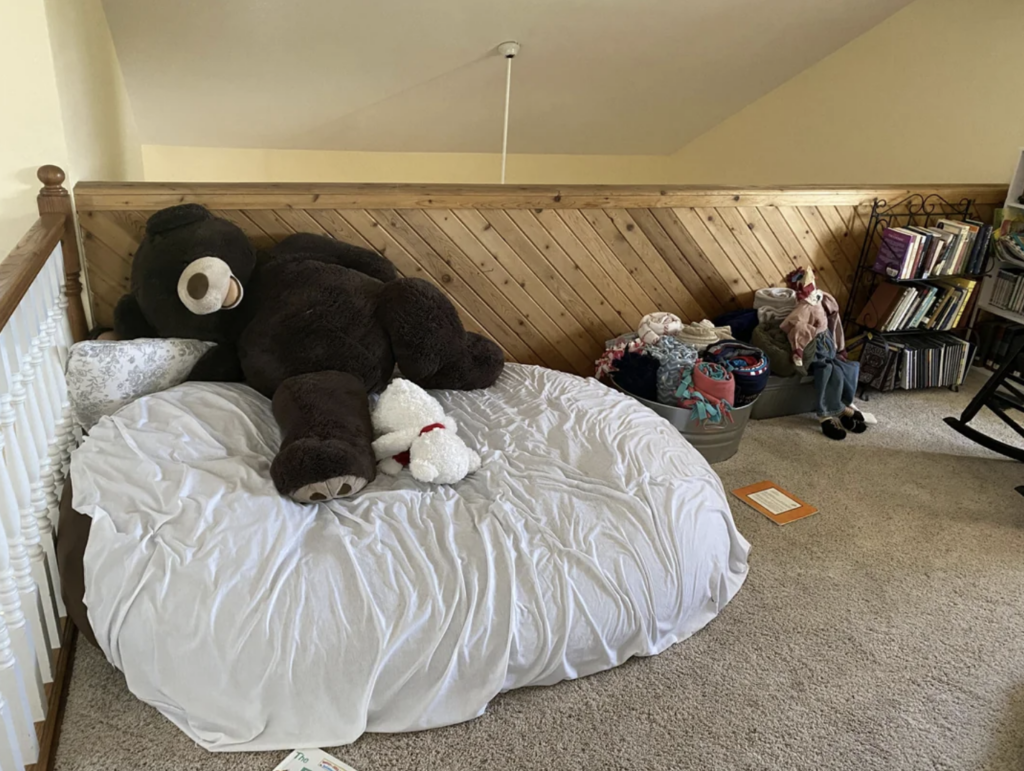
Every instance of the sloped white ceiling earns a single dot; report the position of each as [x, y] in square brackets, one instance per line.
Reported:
[594, 76]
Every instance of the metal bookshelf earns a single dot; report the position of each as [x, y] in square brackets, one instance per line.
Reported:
[917, 210]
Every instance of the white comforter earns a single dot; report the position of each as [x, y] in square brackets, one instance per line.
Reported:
[592, 533]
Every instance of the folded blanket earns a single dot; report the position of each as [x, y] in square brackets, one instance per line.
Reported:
[749, 366]
[774, 303]
[708, 391]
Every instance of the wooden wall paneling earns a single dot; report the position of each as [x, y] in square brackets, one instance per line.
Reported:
[581, 236]
[794, 246]
[825, 275]
[744, 235]
[829, 249]
[841, 221]
[571, 296]
[143, 196]
[255, 234]
[777, 253]
[702, 297]
[472, 276]
[610, 319]
[723, 236]
[698, 260]
[271, 224]
[582, 243]
[608, 276]
[693, 223]
[490, 316]
[336, 225]
[549, 273]
[546, 333]
[675, 296]
[532, 284]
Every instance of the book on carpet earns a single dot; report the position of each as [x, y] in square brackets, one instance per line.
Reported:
[312, 760]
[779, 506]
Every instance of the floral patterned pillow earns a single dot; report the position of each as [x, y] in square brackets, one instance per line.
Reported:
[105, 375]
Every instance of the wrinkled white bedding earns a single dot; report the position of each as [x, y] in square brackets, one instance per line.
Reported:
[592, 533]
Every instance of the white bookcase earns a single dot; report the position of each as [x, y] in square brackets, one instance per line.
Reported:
[1014, 206]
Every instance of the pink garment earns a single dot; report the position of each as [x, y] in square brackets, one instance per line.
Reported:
[808, 321]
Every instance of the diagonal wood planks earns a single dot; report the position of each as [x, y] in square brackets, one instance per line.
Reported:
[549, 282]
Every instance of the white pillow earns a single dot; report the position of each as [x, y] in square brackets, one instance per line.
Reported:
[105, 375]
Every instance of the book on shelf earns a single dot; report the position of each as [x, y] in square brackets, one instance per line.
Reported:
[938, 305]
[949, 248]
[932, 361]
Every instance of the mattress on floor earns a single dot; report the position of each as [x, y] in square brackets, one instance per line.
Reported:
[592, 533]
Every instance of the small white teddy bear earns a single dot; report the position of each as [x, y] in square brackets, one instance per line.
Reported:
[412, 430]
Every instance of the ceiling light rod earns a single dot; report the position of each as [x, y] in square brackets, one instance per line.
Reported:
[509, 50]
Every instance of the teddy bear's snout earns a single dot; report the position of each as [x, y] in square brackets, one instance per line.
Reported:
[207, 285]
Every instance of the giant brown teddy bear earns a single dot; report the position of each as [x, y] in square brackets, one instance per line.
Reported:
[315, 324]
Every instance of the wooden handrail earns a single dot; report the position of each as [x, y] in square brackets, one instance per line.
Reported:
[54, 199]
[146, 196]
[23, 264]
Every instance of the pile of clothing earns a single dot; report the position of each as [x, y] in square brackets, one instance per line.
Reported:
[697, 366]
[801, 331]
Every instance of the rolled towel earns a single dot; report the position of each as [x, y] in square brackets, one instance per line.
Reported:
[775, 297]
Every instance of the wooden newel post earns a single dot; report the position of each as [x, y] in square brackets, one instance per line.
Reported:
[55, 199]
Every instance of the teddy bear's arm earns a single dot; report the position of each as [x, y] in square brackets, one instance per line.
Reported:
[220, 364]
[391, 444]
[129, 323]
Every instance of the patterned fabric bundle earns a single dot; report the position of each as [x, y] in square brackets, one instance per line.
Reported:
[613, 350]
[708, 391]
[749, 366]
[654, 326]
[675, 358]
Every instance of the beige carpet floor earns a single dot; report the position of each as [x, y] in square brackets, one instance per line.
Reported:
[886, 632]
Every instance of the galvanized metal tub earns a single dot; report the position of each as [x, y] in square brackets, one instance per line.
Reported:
[715, 441]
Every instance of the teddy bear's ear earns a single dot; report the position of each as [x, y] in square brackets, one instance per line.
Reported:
[176, 217]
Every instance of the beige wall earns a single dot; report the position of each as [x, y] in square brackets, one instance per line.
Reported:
[930, 95]
[63, 102]
[102, 139]
[31, 132]
[213, 164]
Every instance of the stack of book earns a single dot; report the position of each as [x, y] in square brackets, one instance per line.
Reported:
[995, 339]
[937, 306]
[950, 248]
[915, 361]
[1008, 290]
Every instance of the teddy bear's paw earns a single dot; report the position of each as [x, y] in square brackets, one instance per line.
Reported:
[329, 489]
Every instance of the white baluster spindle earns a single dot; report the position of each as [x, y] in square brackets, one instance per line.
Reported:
[23, 540]
[32, 442]
[12, 689]
[17, 624]
[10, 750]
[43, 403]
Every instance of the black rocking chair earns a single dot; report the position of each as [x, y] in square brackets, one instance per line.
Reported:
[1001, 394]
